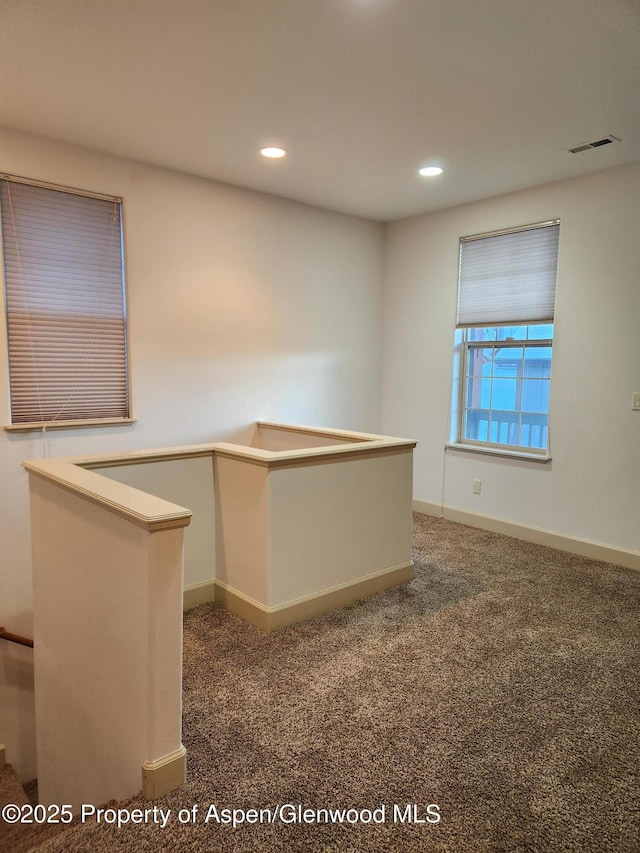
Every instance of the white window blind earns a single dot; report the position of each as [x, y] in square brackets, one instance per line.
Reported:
[508, 277]
[64, 287]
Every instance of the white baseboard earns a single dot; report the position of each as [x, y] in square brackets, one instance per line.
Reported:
[199, 593]
[164, 775]
[539, 536]
[427, 508]
[272, 618]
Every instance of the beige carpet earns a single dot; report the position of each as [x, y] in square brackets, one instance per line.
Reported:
[20, 837]
[501, 684]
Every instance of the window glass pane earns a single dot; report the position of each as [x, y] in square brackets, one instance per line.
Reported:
[512, 333]
[535, 395]
[487, 333]
[508, 361]
[477, 424]
[504, 427]
[540, 333]
[537, 362]
[534, 430]
[504, 394]
[478, 393]
[480, 361]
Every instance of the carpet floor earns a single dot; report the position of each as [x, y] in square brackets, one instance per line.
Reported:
[501, 686]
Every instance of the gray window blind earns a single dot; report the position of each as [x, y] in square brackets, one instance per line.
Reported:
[508, 277]
[64, 287]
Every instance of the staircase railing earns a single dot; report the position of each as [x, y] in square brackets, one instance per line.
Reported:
[15, 638]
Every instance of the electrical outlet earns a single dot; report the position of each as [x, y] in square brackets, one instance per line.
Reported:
[635, 401]
[477, 487]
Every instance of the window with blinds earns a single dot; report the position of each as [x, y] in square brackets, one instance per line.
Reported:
[508, 277]
[505, 323]
[65, 305]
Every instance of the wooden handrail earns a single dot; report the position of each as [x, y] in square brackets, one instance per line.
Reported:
[15, 638]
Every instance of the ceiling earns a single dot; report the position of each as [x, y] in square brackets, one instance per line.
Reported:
[361, 93]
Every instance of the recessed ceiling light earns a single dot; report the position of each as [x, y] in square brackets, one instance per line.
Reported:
[273, 153]
[430, 171]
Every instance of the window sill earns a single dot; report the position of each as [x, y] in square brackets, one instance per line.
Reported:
[497, 451]
[89, 423]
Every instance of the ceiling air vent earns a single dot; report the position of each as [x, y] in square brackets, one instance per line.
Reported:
[606, 140]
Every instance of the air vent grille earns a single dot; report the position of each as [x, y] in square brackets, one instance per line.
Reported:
[606, 140]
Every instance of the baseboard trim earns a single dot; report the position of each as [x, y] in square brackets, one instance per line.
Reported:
[164, 775]
[272, 618]
[536, 535]
[243, 606]
[199, 593]
[427, 508]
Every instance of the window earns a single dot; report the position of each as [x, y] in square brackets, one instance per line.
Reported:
[504, 337]
[65, 306]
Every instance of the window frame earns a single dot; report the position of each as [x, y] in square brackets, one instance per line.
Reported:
[542, 315]
[73, 422]
[462, 441]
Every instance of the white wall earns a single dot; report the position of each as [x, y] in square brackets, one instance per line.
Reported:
[187, 483]
[331, 525]
[591, 489]
[241, 307]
